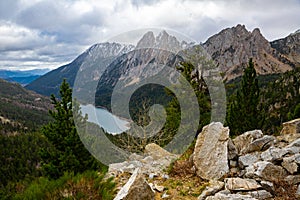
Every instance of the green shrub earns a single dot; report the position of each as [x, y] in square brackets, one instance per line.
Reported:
[88, 185]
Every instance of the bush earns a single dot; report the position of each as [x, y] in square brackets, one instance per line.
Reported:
[88, 185]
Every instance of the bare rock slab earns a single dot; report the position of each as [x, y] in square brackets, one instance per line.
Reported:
[211, 152]
[239, 184]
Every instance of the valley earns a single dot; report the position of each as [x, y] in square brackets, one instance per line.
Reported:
[58, 148]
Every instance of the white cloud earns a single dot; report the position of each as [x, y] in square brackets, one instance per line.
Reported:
[15, 37]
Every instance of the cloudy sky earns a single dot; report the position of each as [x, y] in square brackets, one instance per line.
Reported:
[47, 33]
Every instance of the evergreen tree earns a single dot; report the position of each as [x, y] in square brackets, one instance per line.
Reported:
[68, 154]
[244, 110]
[192, 75]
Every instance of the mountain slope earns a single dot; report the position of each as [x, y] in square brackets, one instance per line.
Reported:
[20, 109]
[289, 47]
[232, 48]
[49, 83]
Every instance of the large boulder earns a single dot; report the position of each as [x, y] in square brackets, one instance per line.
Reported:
[211, 153]
[291, 127]
[242, 142]
[136, 188]
[156, 152]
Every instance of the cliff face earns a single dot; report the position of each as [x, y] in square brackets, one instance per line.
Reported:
[232, 48]
[289, 47]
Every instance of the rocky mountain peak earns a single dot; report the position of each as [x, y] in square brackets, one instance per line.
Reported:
[108, 49]
[233, 47]
[161, 41]
[148, 40]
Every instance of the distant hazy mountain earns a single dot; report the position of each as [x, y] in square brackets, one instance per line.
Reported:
[50, 82]
[22, 77]
[230, 49]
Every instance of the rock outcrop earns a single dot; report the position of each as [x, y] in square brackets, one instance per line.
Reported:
[260, 162]
[211, 152]
[248, 167]
[232, 47]
[289, 47]
[155, 160]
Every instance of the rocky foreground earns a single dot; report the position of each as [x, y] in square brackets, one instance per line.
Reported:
[250, 166]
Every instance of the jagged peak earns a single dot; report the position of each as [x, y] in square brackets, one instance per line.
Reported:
[147, 40]
[162, 40]
[256, 31]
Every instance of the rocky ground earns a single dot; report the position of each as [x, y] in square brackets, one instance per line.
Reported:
[250, 166]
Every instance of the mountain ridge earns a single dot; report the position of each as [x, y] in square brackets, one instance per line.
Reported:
[231, 49]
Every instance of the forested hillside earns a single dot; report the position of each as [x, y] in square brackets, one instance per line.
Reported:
[21, 110]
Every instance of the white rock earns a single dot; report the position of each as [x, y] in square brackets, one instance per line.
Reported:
[243, 141]
[273, 154]
[265, 171]
[260, 194]
[239, 184]
[248, 159]
[211, 189]
[211, 153]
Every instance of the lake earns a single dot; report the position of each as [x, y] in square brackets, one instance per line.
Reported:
[109, 122]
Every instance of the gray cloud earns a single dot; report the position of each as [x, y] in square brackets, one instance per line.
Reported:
[50, 33]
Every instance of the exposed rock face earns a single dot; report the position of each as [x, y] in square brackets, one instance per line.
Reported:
[232, 48]
[289, 46]
[136, 188]
[210, 154]
[291, 127]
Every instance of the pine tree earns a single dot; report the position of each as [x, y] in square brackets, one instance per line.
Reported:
[68, 152]
[244, 110]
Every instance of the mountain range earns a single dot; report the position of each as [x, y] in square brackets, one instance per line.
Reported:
[22, 77]
[231, 50]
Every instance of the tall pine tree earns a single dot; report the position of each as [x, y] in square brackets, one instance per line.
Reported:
[69, 153]
[244, 113]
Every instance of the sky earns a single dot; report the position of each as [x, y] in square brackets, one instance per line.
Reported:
[37, 34]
